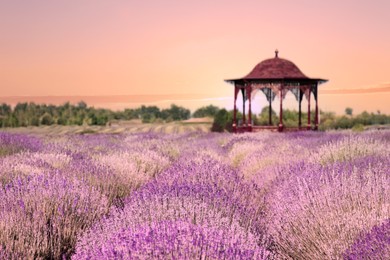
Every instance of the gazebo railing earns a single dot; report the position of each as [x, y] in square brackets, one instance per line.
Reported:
[258, 128]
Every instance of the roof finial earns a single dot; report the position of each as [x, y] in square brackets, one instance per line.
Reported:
[276, 53]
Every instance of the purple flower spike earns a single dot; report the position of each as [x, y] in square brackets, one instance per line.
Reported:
[373, 245]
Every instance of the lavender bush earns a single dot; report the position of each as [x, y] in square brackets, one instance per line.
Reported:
[41, 216]
[208, 195]
[372, 245]
[316, 212]
[348, 149]
[25, 164]
[14, 143]
[173, 240]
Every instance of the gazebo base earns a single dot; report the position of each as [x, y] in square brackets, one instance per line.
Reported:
[245, 129]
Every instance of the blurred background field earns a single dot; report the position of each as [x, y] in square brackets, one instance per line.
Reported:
[116, 127]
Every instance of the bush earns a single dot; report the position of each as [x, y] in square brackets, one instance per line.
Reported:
[319, 211]
[171, 240]
[46, 119]
[209, 111]
[221, 121]
[43, 216]
[358, 128]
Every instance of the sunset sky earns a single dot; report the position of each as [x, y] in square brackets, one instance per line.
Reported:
[176, 47]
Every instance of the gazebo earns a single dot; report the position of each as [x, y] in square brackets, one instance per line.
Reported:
[275, 77]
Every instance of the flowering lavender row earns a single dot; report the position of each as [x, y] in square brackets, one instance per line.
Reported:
[317, 211]
[173, 240]
[13, 143]
[373, 245]
[54, 188]
[198, 191]
[195, 195]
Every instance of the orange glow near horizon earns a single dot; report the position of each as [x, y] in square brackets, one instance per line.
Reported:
[67, 48]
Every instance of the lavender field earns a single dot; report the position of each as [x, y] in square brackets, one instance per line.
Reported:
[308, 195]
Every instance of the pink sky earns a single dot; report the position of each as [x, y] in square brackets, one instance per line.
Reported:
[81, 48]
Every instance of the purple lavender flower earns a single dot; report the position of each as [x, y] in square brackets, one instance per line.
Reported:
[172, 240]
[372, 245]
[14, 143]
[41, 216]
[317, 211]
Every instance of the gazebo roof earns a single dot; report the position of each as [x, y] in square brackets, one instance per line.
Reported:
[276, 69]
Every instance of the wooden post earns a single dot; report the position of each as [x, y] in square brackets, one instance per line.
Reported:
[236, 89]
[280, 128]
[316, 115]
[308, 110]
[249, 93]
[270, 109]
[243, 107]
[299, 109]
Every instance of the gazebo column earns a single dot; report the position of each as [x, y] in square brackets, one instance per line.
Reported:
[243, 107]
[308, 109]
[270, 109]
[236, 89]
[316, 115]
[300, 95]
[280, 128]
[249, 93]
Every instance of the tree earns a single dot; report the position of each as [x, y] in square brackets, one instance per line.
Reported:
[5, 109]
[148, 118]
[150, 111]
[46, 119]
[176, 113]
[263, 118]
[348, 111]
[129, 114]
[209, 111]
[221, 121]
[82, 105]
[344, 123]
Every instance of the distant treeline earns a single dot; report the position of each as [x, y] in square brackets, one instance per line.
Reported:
[31, 114]
[328, 120]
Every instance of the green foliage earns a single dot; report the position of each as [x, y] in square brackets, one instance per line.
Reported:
[5, 109]
[31, 114]
[221, 121]
[263, 117]
[358, 128]
[46, 119]
[331, 121]
[208, 111]
[147, 118]
[344, 123]
[348, 111]
[328, 120]
[176, 112]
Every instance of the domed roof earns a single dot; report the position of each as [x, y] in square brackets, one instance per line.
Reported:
[275, 68]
